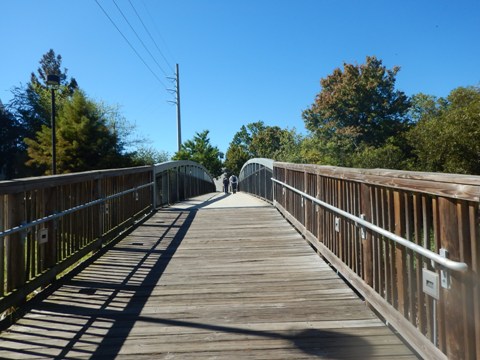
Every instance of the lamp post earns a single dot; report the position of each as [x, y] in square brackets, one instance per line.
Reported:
[53, 80]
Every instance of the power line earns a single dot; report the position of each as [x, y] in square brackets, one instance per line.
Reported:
[158, 32]
[131, 46]
[151, 37]
[138, 37]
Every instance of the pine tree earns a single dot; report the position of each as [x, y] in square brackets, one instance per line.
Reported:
[84, 141]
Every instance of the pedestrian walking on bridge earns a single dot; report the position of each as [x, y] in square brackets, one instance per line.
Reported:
[226, 183]
[234, 182]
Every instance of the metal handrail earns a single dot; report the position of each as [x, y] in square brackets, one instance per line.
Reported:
[444, 262]
[25, 226]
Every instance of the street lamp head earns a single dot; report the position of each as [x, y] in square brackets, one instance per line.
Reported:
[53, 80]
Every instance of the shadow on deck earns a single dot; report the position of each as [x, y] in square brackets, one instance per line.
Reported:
[219, 276]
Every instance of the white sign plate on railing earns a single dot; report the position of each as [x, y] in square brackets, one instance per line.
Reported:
[430, 283]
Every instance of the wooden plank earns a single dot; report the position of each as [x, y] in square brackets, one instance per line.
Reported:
[368, 259]
[206, 283]
[428, 230]
[424, 348]
[467, 284]
[42, 182]
[474, 216]
[421, 317]
[438, 312]
[15, 254]
[400, 255]
[379, 269]
[452, 298]
[465, 187]
[3, 226]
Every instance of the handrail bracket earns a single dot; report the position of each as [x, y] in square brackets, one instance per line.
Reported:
[444, 272]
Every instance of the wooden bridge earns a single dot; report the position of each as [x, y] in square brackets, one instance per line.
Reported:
[227, 276]
[217, 277]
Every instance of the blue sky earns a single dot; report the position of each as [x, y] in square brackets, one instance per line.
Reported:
[240, 61]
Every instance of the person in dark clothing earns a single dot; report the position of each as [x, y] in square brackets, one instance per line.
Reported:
[234, 182]
[226, 183]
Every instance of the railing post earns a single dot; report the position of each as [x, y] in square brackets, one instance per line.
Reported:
[101, 208]
[51, 245]
[15, 248]
[305, 202]
[167, 173]
[319, 211]
[452, 298]
[3, 227]
[274, 186]
[366, 209]
[400, 254]
[154, 190]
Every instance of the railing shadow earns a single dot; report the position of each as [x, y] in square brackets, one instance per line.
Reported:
[180, 225]
[117, 272]
[122, 276]
[196, 204]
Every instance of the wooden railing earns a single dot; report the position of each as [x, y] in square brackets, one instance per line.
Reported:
[48, 224]
[436, 309]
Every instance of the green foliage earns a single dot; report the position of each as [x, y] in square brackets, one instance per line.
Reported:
[11, 154]
[266, 143]
[446, 137]
[147, 155]
[200, 150]
[235, 157]
[90, 135]
[258, 140]
[315, 150]
[358, 108]
[244, 137]
[387, 156]
[423, 105]
[32, 103]
[240, 148]
[290, 147]
[84, 141]
[311, 151]
[127, 138]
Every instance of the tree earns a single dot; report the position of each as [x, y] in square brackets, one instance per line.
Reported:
[423, 105]
[84, 141]
[32, 103]
[388, 156]
[235, 157]
[357, 106]
[147, 155]
[200, 150]
[290, 147]
[273, 142]
[240, 148]
[266, 143]
[244, 137]
[258, 140]
[90, 135]
[446, 135]
[11, 154]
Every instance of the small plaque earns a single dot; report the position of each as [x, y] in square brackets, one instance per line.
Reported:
[430, 283]
[43, 236]
[337, 224]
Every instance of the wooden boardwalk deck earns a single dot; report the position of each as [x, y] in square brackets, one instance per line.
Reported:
[228, 278]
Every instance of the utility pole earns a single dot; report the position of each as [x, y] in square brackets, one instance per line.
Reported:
[176, 91]
[179, 117]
